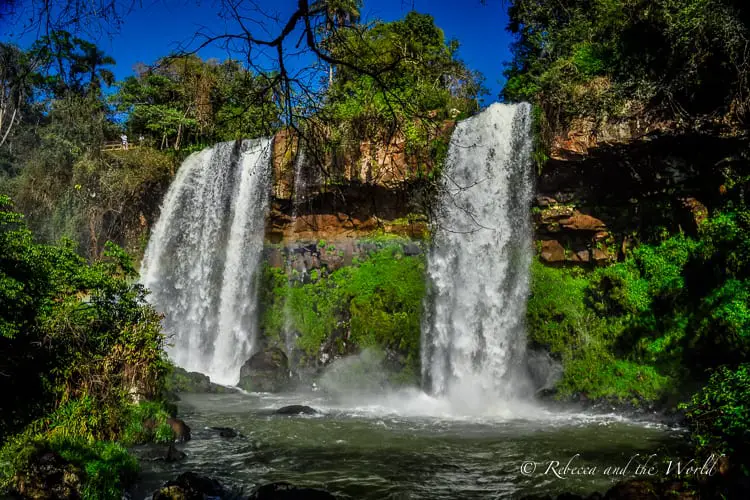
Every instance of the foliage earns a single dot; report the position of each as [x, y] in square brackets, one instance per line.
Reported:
[147, 422]
[719, 414]
[560, 320]
[72, 332]
[414, 81]
[104, 467]
[183, 100]
[374, 303]
[654, 322]
[608, 58]
[600, 375]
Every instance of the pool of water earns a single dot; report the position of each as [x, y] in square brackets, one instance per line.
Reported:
[411, 446]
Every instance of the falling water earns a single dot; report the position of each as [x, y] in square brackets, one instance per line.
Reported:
[204, 253]
[298, 197]
[473, 340]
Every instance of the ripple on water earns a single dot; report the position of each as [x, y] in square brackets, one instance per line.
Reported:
[374, 450]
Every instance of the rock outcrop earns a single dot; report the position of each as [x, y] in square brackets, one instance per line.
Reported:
[265, 371]
[190, 486]
[296, 410]
[181, 380]
[608, 185]
[286, 491]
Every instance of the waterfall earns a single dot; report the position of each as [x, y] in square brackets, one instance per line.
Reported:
[298, 197]
[473, 338]
[202, 260]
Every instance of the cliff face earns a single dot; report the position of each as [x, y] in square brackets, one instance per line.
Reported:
[606, 186]
[322, 200]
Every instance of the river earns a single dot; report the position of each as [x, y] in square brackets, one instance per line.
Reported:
[390, 450]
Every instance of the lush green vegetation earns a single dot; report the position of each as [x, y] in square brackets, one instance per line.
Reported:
[182, 101]
[399, 80]
[605, 59]
[657, 324]
[376, 303]
[87, 348]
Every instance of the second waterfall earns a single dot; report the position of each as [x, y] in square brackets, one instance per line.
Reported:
[473, 337]
[204, 253]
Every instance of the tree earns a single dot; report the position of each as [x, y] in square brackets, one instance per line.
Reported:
[183, 99]
[72, 64]
[679, 58]
[338, 14]
[17, 70]
[90, 62]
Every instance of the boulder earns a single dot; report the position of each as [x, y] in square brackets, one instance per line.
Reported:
[155, 452]
[584, 256]
[583, 222]
[190, 486]
[411, 249]
[226, 432]
[265, 371]
[180, 429]
[286, 491]
[181, 380]
[601, 257]
[296, 410]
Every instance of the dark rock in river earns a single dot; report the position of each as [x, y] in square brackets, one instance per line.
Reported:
[226, 432]
[190, 486]
[181, 380]
[296, 410]
[286, 491]
[180, 429]
[265, 371]
[156, 452]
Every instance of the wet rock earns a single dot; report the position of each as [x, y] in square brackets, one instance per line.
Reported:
[412, 249]
[174, 455]
[544, 370]
[158, 452]
[226, 432]
[190, 486]
[265, 371]
[180, 429]
[286, 491]
[182, 380]
[296, 410]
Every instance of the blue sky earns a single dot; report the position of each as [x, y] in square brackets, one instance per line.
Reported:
[159, 26]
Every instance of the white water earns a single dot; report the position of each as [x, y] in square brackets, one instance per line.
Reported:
[202, 259]
[298, 197]
[473, 338]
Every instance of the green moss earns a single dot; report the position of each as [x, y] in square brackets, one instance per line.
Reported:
[561, 321]
[376, 302]
[598, 375]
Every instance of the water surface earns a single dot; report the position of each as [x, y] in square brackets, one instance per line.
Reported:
[389, 449]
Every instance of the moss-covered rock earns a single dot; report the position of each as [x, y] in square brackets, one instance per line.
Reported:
[181, 380]
[265, 371]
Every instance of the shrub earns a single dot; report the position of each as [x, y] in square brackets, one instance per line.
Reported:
[719, 414]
